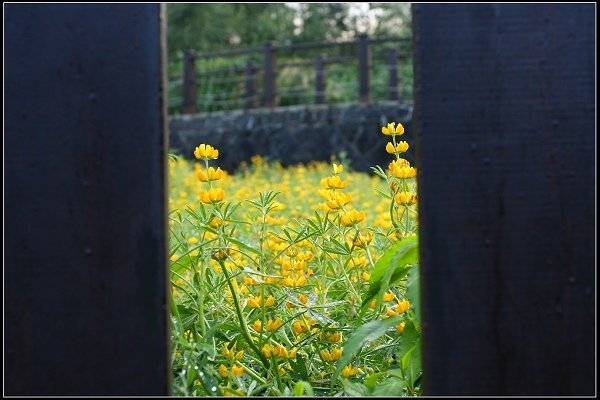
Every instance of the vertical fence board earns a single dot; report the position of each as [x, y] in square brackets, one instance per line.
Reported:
[85, 131]
[505, 110]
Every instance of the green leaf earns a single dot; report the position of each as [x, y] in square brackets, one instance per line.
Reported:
[413, 292]
[301, 387]
[368, 332]
[354, 388]
[392, 266]
[391, 387]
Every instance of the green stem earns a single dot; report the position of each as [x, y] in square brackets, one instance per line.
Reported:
[242, 321]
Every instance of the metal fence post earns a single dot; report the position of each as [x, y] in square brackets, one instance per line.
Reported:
[189, 83]
[270, 76]
[320, 80]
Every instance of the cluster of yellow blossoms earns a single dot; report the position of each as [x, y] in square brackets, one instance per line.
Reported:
[213, 195]
[336, 200]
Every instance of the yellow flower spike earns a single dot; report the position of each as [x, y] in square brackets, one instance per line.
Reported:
[334, 337]
[192, 240]
[373, 304]
[338, 169]
[223, 371]
[206, 152]
[400, 327]
[293, 353]
[303, 298]
[237, 371]
[239, 355]
[390, 313]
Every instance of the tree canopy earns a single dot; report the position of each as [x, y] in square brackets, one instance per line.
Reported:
[217, 26]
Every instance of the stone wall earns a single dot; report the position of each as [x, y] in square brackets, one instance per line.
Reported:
[294, 134]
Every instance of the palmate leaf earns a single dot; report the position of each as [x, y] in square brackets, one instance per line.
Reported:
[392, 266]
[367, 332]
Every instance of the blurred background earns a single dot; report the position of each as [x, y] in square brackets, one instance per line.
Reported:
[227, 42]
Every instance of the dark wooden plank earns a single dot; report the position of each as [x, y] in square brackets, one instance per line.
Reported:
[85, 209]
[505, 110]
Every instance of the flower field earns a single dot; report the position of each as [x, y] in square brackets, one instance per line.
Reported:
[294, 281]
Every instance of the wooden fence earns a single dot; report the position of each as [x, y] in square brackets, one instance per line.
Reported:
[505, 119]
[258, 77]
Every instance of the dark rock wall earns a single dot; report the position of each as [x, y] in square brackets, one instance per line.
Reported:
[295, 134]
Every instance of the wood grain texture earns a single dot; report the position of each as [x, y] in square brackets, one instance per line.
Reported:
[85, 210]
[505, 124]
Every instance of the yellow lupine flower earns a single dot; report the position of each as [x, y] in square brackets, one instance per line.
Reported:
[388, 296]
[406, 198]
[352, 217]
[401, 147]
[366, 276]
[338, 169]
[349, 371]
[270, 302]
[206, 152]
[273, 325]
[391, 130]
[237, 371]
[400, 327]
[338, 200]
[333, 182]
[223, 371]
[192, 240]
[210, 175]
[299, 327]
[215, 222]
[213, 195]
[333, 355]
[403, 172]
[257, 325]
[403, 306]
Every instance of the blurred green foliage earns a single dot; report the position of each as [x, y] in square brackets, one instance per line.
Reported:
[206, 27]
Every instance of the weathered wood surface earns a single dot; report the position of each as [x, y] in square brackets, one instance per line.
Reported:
[504, 117]
[85, 210]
